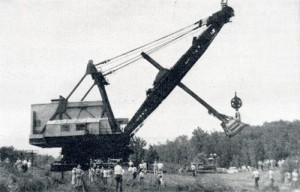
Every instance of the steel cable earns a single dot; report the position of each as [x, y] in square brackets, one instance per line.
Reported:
[123, 54]
[135, 58]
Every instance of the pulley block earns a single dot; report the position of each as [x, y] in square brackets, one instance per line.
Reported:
[236, 102]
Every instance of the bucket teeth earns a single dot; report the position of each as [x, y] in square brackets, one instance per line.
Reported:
[233, 126]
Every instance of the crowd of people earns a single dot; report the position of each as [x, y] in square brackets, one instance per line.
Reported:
[290, 179]
[114, 176]
[136, 174]
[23, 165]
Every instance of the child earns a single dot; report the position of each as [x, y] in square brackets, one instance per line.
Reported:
[134, 174]
[141, 175]
[159, 178]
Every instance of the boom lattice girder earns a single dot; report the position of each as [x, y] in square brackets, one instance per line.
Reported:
[171, 79]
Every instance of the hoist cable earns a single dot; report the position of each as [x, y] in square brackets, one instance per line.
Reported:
[124, 65]
[129, 61]
[163, 45]
[158, 43]
[108, 60]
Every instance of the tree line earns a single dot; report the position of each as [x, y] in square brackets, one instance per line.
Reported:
[12, 154]
[274, 140]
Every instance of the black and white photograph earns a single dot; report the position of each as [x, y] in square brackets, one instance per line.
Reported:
[150, 95]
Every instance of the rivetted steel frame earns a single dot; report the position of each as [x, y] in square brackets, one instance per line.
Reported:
[171, 79]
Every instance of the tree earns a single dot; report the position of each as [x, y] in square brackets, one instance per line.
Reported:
[137, 144]
[184, 149]
[275, 140]
[200, 158]
[199, 140]
[151, 155]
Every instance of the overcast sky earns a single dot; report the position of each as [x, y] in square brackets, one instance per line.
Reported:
[45, 46]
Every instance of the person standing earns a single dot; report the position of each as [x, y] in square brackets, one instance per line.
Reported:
[7, 161]
[155, 168]
[109, 175]
[105, 174]
[91, 174]
[141, 176]
[73, 181]
[24, 165]
[79, 174]
[295, 179]
[19, 164]
[159, 178]
[271, 177]
[193, 167]
[130, 163]
[260, 165]
[256, 178]
[287, 178]
[143, 165]
[118, 170]
[29, 164]
[160, 166]
[134, 175]
[98, 174]
[101, 174]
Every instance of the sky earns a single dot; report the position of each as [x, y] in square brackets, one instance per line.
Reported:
[45, 46]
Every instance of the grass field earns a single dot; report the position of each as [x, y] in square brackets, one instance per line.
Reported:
[41, 180]
[182, 182]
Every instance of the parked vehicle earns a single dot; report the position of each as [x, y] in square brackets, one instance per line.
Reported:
[231, 170]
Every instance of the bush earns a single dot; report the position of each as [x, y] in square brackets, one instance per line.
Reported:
[289, 165]
[172, 167]
[31, 185]
[271, 189]
[204, 187]
[181, 187]
[3, 187]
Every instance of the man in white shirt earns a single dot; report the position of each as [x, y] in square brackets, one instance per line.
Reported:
[105, 174]
[193, 167]
[256, 177]
[118, 176]
[295, 179]
[160, 166]
[29, 164]
[24, 165]
[143, 165]
[130, 163]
